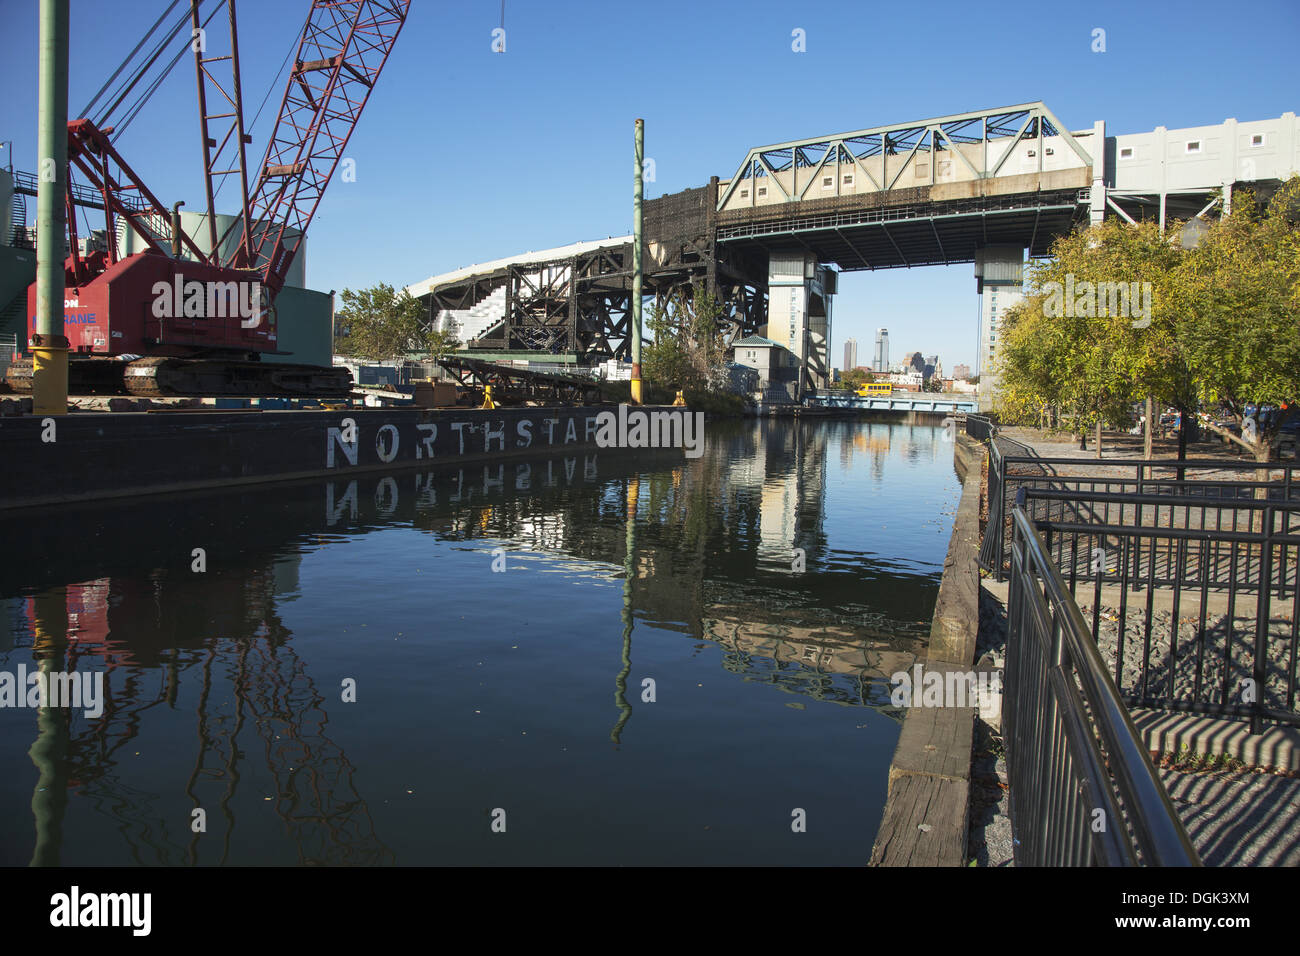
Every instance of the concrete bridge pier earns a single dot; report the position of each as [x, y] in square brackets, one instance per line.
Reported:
[999, 280]
[800, 290]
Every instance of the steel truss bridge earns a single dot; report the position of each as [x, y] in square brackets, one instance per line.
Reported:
[933, 192]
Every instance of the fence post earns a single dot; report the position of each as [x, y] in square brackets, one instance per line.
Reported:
[1262, 616]
[1002, 514]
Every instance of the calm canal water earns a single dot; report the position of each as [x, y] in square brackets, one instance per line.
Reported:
[501, 625]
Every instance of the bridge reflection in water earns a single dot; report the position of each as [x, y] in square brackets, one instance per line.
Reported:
[222, 687]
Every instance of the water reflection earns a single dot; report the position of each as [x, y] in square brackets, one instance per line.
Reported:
[210, 701]
[255, 701]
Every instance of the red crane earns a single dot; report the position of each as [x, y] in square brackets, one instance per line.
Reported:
[174, 318]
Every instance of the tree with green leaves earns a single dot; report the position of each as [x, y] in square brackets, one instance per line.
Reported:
[685, 351]
[381, 323]
[855, 378]
[1085, 339]
[1123, 313]
[1238, 293]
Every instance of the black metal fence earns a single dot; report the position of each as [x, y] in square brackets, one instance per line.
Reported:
[1082, 788]
[1194, 601]
[1216, 482]
[981, 427]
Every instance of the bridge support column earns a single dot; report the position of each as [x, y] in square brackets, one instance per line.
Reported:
[1097, 198]
[999, 280]
[800, 291]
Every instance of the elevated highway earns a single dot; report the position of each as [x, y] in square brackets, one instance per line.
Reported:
[911, 194]
[984, 187]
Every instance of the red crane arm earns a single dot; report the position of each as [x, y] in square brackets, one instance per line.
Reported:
[343, 48]
[123, 192]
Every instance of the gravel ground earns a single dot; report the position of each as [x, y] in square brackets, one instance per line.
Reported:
[1235, 819]
[1241, 657]
[990, 842]
[1123, 446]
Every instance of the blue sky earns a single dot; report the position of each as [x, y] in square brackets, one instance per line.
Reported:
[465, 155]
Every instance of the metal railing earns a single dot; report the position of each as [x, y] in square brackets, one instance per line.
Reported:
[981, 427]
[26, 184]
[1183, 591]
[1007, 473]
[1082, 788]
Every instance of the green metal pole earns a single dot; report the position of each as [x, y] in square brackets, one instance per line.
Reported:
[49, 346]
[636, 262]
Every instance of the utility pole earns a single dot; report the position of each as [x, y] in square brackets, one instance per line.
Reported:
[636, 263]
[49, 345]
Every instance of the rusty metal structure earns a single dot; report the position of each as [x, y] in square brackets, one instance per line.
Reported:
[932, 192]
[579, 304]
[512, 386]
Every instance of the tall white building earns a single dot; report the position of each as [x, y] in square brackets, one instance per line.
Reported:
[850, 355]
[880, 362]
[999, 279]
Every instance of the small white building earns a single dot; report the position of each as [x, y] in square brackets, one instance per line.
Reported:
[914, 379]
[776, 365]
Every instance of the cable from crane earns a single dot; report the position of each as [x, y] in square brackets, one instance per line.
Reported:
[144, 39]
[144, 98]
[128, 84]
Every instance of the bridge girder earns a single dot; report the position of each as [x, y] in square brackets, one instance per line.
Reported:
[961, 191]
[869, 150]
[858, 237]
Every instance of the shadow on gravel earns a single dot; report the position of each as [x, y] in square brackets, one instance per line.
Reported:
[1238, 819]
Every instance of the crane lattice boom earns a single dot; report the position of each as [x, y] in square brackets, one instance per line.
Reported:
[343, 48]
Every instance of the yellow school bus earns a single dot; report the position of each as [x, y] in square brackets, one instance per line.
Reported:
[874, 389]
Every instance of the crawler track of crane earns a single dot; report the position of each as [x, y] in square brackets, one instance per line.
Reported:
[161, 376]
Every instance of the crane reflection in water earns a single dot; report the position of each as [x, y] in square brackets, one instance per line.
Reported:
[253, 695]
